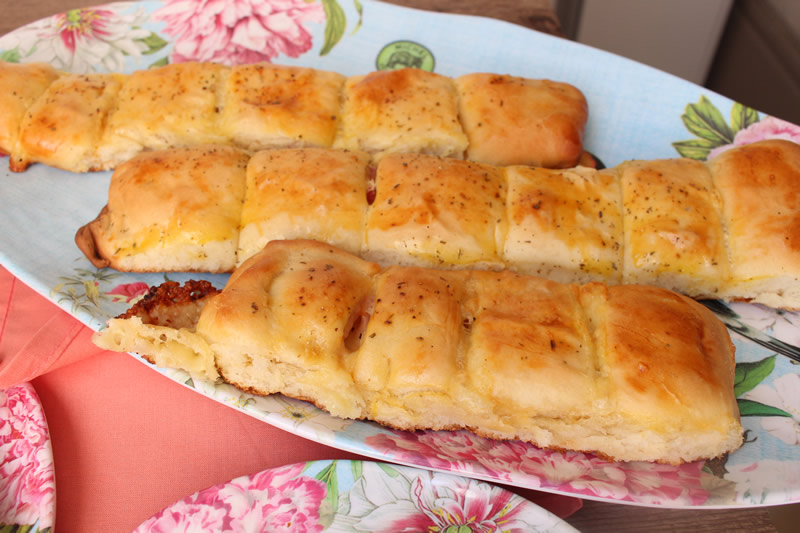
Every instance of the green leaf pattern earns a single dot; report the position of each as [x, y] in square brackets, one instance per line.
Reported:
[83, 291]
[335, 24]
[742, 116]
[153, 42]
[360, 11]
[753, 408]
[748, 375]
[329, 477]
[10, 56]
[707, 123]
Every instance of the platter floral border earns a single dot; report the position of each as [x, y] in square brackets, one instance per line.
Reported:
[126, 36]
[351, 496]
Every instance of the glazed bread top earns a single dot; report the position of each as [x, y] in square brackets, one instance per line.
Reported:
[262, 105]
[172, 211]
[723, 229]
[508, 119]
[630, 372]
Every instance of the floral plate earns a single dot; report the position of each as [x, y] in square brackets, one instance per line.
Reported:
[352, 496]
[636, 112]
[27, 479]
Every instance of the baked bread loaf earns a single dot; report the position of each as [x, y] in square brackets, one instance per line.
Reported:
[436, 211]
[759, 185]
[725, 229]
[313, 193]
[64, 127]
[262, 105]
[404, 110]
[673, 231]
[507, 119]
[20, 87]
[171, 211]
[628, 372]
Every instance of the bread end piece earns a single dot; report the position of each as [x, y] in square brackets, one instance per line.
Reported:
[161, 327]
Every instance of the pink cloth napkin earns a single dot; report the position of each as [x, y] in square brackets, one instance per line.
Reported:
[35, 335]
[127, 441]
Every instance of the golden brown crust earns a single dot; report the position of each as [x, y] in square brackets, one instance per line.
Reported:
[673, 233]
[173, 211]
[268, 106]
[529, 343]
[63, 128]
[433, 211]
[310, 193]
[404, 110]
[759, 185]
[673, 355]
[517, 121]
[508, 356]
[564, 224]
[654, 222]
[20, 86]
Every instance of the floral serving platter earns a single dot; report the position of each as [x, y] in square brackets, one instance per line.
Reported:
[636, 112]
[353, 496]
[27, 478]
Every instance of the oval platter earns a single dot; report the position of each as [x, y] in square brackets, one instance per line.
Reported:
[636, 112]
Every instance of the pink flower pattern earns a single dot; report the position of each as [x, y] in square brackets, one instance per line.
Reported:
[238, 31]
[572, 472]
[27, 480]
[768, 128]
[278, 500]
[479, 506]
[82, 40]
[127, 292]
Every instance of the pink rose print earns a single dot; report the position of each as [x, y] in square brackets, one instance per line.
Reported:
[768, 128]
[276, 497]
[27, 493]
[279, 500]
[238, 31]
[186, 516]
[451, 451]
[537, 468]
[127, 292]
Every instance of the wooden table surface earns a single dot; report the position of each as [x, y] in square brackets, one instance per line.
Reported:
[594, 516]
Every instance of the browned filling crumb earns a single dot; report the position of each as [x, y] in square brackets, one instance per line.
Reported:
[173, 305]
